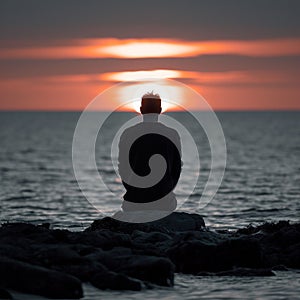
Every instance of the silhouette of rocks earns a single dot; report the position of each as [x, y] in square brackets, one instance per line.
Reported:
[123, 256]
[115, 281]
[32, 279]
[174, 222]
[4, 294]
[157, 270]
[195, 256]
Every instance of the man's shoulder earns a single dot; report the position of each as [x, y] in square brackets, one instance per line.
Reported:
[170, 130]
[156, 127]
[130, 129]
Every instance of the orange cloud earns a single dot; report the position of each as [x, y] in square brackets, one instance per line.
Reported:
[76, 91]
[203, 78]
[198, 78]
[223, 90]
[139, 75]
[154, 48]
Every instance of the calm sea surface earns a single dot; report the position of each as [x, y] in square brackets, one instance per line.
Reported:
[261, 183]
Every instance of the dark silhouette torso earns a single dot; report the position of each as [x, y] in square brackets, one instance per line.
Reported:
[164, 141]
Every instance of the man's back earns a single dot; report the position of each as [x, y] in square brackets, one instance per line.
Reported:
[150, 138]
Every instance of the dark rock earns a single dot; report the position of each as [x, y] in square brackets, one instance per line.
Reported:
[195, 256]
[31, 232]
[83, 271]
[40, 260]
[4, 294]
[292, 256]
[153, 269]
[46, 225]
[16, 250]
[32, 279]
[104, 239]
[115, 281]
[240, 252]
[57, 254]
[61, 235]
[281, 244]
[176, 221]
[180, 221]
[150, 237]
[107, 258]
[150, 243]
[266, 227]
[280, 268]
[120, 251]
[157, 270]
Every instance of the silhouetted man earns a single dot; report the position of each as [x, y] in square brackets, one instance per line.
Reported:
[146, 149]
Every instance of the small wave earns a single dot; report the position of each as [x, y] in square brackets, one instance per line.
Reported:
[27, 191]
[262, 193]
[265, 209]
[17, 198]
[32, 207]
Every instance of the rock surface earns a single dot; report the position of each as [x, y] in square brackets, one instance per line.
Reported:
[115, 281]
[29, 278]
[115, 255]
[4, 294]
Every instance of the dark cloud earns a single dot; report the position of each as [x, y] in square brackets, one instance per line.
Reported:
[190, 19]
[34, 23]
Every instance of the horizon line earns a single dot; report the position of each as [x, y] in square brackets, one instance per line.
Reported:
[169, 111]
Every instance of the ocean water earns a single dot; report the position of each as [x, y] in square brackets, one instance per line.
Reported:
[285, 285]
[261, 183]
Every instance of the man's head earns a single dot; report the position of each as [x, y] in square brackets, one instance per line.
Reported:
[151, 104]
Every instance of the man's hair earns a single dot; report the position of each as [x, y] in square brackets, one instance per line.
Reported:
[151, 99]
[151, 103]
[151, 95]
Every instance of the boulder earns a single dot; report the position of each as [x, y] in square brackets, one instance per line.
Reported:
[117, 255]
[157, 270]
[105, 239]
[84, 270]
[181, 221]
[292, 257]
[194, 256]
[153, 269]
[4, 294]
[174, 222]
[57, 254]
[115, 281]
[32, 279]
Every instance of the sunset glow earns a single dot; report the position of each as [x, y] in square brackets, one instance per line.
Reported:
[154, 48]
[140, 49]
[79, 69]
[138, 75]
[236, 77]
[223, 90]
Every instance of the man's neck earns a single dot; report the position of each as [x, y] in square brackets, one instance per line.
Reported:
[150, 117]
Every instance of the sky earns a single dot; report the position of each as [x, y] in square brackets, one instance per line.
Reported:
[238, 54]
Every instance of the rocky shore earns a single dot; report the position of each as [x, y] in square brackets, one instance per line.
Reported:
[123, 256]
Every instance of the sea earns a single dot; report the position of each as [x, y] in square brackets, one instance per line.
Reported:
[261, 183]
